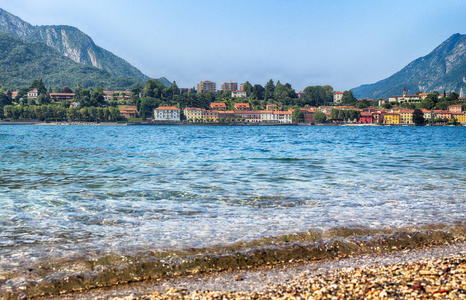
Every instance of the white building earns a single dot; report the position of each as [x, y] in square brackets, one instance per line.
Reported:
[238, 94]
[33, 94]
[267, 116]
[167, 114]
[337, 97]
[282, 116]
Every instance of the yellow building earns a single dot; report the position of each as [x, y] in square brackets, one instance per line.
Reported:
[391, 118]
[427, 114]
[406, 116]
[194, 113]
[461, 118]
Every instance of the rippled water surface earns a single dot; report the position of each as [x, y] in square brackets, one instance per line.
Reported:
[66, 190]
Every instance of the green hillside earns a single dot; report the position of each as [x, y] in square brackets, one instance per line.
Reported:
[21, 62]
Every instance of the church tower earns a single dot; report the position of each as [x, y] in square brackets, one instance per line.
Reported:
[404, 92]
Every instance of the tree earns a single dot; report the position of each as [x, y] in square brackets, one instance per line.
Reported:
[247, 87]
[258, 92]
[297, 116]
[430, 101]
[174, 89]
[317, 95]
[453, 96]
[67, 89]
[153, 88]
[418, 117]
[443, 105]
[387, 106]
[319, 117]
[348, 98]
[39, 85]
[269, 89]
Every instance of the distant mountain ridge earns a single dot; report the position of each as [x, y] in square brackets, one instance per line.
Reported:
[72, 43]
[21, 61]
[442, 69]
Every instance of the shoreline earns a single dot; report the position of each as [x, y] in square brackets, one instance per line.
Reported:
[411, 272]
[106, 274]
[16, 123]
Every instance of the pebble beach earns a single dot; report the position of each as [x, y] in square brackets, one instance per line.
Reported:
[428, 273]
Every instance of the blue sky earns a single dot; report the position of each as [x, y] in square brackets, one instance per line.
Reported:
[340, 43]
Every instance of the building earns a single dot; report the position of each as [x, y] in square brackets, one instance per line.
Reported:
[129, 112]
[218, 106]
[406, 116]
[33, 94]
[337, 97]
[271, 107]
[229, 86]
[406, 98]
[427, 114]
[301, 95]
[206, 86]
[391, 118]
[238, 94]
[456, 108]
[283, 116]
[442, 114]
[118, 95]
[267, 116]
[366, 117]
[461, 117]
[249, 116]
[76, 104]
[224, 115]
[167, 114]
[210, 115]
[61, 97]
[242, 106]
[193, 113]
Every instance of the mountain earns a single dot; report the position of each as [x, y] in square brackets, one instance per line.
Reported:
[72, 43]
[442, 69]
[21, 61]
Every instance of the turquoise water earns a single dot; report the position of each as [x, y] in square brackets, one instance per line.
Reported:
[72, 190]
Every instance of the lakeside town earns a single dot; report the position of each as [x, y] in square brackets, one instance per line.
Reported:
[232, 104]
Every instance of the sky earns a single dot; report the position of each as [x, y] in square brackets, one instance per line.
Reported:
[341, 43]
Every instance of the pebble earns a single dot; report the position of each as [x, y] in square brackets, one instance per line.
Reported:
[427, 279]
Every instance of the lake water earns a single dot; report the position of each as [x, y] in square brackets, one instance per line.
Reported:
[68, 191]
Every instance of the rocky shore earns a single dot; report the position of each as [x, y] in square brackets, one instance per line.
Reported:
[427, 273]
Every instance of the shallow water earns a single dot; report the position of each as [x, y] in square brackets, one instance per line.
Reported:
[69, 191]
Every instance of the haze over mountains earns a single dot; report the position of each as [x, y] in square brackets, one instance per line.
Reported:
[90, 65]
[69, 42]
[442, 69]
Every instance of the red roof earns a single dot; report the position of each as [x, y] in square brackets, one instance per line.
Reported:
[241, 105]
[61, 94]
[217, 105]
[167, 108]
[282, 112]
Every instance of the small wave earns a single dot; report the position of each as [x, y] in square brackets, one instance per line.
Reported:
[82, 273]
